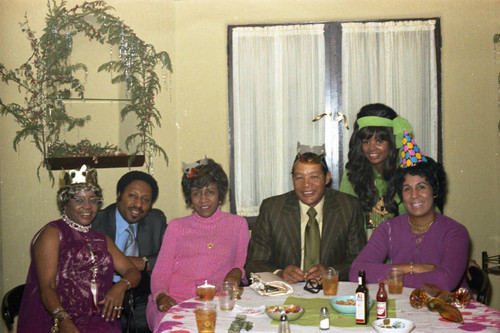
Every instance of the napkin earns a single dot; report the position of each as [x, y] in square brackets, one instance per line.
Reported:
[258, 311]
[262, 281]
[312, 307]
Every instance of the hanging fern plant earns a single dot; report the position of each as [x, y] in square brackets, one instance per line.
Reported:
[47, 78]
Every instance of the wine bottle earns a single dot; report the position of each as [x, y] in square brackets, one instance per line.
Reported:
[361, 300]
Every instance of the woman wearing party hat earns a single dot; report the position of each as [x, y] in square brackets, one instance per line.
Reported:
[426, 245]
[373, 160]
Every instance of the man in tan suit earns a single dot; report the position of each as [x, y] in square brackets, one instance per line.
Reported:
[280, 241]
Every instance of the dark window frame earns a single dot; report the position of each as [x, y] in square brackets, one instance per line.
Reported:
[333, 88]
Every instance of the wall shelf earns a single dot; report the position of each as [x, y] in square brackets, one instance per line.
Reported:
[118, 161]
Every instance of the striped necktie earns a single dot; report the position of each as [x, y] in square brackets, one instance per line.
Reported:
[131, 247]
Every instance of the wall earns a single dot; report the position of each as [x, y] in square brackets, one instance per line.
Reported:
[195, 111]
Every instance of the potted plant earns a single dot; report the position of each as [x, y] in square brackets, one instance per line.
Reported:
[47, 78]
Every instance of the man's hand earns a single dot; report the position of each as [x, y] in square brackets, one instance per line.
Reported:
[292, 274]
[315, 272]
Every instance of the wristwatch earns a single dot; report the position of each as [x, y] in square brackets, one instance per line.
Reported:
[145, 263]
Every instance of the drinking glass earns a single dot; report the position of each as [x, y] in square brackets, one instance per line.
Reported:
[225, 293]
[206, 314]
[330, 281]
[395, 278]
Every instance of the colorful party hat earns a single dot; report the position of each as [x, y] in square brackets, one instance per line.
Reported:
[410, 152]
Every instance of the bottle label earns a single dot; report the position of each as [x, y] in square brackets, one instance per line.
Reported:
[360, 308]
[381, 310]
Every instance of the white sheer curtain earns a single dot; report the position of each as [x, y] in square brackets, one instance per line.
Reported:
[278, 88]
[392, 63]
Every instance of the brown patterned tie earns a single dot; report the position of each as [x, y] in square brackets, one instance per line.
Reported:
[311, 241]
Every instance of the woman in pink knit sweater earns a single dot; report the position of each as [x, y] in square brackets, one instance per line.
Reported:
[207, 245]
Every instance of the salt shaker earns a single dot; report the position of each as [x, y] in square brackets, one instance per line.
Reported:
[324, 319]
[284, 325]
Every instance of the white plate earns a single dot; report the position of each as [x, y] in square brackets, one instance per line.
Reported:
[379, 326]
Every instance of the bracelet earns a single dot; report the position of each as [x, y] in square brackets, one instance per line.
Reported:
[145, 263]
[57, 310]
[411, 267]
[62, 315]
[129, 285]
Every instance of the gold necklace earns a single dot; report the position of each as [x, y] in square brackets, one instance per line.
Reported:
[422, 228]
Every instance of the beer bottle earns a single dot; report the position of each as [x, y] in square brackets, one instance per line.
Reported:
[361, 300]
[381, 301]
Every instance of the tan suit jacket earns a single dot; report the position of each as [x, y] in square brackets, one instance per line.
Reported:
[275, 242]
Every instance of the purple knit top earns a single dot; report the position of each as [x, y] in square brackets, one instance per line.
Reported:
[445, 245]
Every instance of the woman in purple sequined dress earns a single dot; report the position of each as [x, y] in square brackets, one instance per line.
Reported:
[69, 287]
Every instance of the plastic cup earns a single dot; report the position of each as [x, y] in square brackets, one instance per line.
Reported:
[206, 314]
[205, 291]
[330, 282]
[395, 278]
[225, 293]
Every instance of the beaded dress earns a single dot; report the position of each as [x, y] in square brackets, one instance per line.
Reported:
[73, 283]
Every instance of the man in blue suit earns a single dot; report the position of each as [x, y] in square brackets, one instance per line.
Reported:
[281, 239]
[137, 230]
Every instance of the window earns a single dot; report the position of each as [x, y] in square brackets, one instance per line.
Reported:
[282, 77]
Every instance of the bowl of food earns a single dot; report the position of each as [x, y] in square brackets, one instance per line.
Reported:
[389, 325]
[347, 304]
[293, 312]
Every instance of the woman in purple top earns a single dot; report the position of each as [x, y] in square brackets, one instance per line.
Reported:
[207, 245]
[69, 287]
[427, 246]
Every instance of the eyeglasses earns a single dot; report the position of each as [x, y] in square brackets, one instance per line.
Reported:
[93, 201]
[313, 286]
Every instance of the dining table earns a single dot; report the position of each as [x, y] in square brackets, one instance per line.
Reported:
[181, 317]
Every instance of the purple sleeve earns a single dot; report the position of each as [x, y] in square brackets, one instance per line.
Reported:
[453, 256]
[371, 258]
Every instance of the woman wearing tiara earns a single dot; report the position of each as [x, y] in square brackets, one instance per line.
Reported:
[426, 245]
[69, 287]
[206, 245]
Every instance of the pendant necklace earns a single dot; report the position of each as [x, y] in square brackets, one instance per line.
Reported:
[93, 259]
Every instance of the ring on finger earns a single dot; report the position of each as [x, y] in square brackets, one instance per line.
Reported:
[118, 307]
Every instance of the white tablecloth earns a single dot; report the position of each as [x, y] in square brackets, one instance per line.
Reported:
[477, 317]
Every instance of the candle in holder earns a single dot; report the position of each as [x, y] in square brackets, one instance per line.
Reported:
[205, 291]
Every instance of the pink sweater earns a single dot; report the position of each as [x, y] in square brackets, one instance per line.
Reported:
[185, 258]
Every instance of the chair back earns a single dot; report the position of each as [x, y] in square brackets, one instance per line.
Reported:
[491, 264]
[480, 284]
[11, 303]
